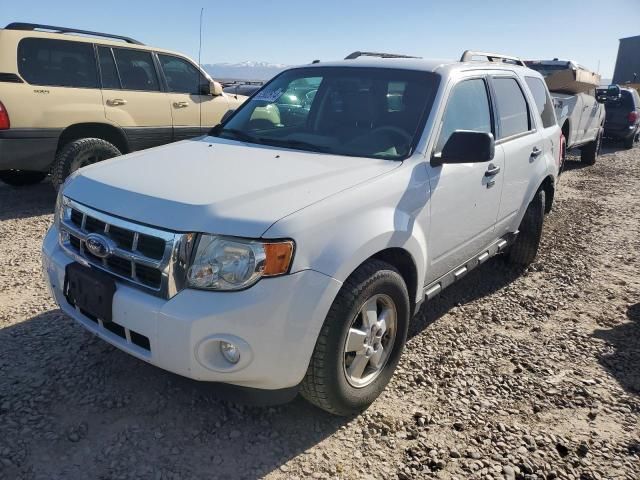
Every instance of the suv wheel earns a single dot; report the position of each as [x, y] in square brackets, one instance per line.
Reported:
[360, 342]
[631, 141]
[590, 151]
[78, 154]
[20, 178]
[525, 248]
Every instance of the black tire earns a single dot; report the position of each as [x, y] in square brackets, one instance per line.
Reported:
[630, 142]
[524, 250]
[80, 153]
[589, 153]
[325, 384]
[21, 178]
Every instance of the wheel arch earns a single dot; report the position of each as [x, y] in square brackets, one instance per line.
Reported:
[566, 131]
[548, 185]
[105, 131]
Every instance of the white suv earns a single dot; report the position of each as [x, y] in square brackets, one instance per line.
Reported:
[289, 249]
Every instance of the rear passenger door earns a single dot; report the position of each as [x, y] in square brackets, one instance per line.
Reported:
[133, 96]
[521, 144]
[465, 197]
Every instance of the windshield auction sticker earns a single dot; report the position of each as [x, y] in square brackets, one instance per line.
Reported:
[268, 95]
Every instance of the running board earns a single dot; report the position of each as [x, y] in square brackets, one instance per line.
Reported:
[434, 288]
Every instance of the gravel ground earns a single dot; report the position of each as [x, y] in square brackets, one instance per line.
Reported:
[508, 374]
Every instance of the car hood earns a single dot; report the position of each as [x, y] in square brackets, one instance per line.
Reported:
[216, 185]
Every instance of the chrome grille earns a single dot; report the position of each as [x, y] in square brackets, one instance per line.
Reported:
[146, 257]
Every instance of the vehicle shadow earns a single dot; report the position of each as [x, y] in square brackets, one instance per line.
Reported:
[624, 361]
[28, 201]
[480, 282]
[79, 396]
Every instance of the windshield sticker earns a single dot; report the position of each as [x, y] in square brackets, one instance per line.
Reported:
[268, 95]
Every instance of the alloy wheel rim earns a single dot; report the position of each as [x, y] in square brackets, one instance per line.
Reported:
[369, 341]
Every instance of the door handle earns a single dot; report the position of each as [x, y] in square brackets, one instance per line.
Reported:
[492, 170]
[114, 102]
[180, 104]
[536, 152]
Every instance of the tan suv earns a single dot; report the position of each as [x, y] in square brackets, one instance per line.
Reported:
[68, 100]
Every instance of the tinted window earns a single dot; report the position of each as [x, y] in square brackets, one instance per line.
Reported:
[57, 63]
[339, 110]
[108, 69]
[625, 101]
[181, 75]
[512, 107]
[467, 109]
[543, 101]
[136, 68]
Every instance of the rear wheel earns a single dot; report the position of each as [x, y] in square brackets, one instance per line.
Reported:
[590, 151]
[78, 154]
[360, 342]
[524, 250]
[21, 178]
[631, 141]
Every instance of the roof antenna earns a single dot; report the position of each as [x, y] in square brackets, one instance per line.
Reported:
[200, 65]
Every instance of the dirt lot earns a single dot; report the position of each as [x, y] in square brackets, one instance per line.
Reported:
[508, 374]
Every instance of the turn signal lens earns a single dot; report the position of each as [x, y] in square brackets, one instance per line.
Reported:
[278, 258]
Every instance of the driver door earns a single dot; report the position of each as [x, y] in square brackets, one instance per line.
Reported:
[465, 198]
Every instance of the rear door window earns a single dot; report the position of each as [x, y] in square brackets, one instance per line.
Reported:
[513, 112]
[110, 79]
[61, 63]
[543, 101]
[467, 109]
[137, 71]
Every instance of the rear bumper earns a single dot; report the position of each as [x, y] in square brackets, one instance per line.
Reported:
[620, 133]
[28, 149]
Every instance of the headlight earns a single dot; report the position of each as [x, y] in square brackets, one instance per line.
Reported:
[226, 263]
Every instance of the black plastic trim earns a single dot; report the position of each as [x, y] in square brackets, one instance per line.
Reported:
[31, 133]
[10, 78]
[38, 26]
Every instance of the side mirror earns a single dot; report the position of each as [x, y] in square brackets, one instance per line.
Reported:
[211, 88]
[465, 146]
[601, 98]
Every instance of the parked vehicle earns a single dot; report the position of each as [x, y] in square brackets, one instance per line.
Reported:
[68, 100]
[291, 254]
[579, 112]
[623, 114]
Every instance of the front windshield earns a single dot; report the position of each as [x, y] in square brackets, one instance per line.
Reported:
[365, 112]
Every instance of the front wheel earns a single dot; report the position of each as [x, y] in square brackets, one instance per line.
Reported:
[361, 341]
[21, 178]
[524, 250]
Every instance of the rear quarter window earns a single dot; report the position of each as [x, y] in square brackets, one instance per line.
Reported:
[59, 63]
[543, 101]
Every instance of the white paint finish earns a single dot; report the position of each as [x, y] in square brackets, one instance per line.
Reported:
[217, 186]
[585, 116]
[276, 312]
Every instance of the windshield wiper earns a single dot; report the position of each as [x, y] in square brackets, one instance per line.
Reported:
[293, 144]
[239, 135]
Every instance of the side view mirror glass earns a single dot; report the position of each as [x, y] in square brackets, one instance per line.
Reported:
[465, 146]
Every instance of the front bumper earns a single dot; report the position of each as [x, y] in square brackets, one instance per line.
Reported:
[28, 149]
[276, 323]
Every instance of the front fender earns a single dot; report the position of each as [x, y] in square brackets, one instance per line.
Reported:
[338, 234]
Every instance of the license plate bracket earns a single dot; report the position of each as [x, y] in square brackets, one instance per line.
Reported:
[90, 290]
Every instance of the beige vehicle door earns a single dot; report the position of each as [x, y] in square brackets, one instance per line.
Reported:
[133, 97]
[193, 112]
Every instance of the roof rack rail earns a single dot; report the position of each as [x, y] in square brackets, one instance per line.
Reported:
[468, 55]
[357, 54]
[37, 26]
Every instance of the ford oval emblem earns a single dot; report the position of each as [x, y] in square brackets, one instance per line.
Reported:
[99, 246]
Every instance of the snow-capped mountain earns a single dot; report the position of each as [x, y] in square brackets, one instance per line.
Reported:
[248, 70]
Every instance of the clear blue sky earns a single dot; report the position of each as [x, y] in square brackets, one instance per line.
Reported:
[298, 31]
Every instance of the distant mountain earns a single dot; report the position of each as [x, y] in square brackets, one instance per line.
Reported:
[244, 70]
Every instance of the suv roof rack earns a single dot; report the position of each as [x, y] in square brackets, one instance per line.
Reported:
[468, 55]
[357, 54]
[37, 26]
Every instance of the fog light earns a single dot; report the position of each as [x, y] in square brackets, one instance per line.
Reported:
[230, 352]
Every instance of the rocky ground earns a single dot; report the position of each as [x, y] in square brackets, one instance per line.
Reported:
[527, 375]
